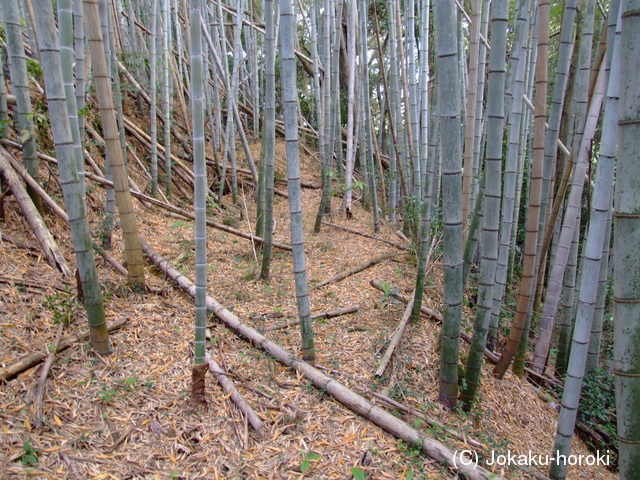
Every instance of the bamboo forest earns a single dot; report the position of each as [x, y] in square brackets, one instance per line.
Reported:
[317, 239]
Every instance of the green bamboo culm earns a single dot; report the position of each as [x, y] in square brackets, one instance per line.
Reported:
[71, 190]
[493, 194]
[269, 141]
[200, 178]
[627, 247]
[289, 93]
[448, 93]
[10, 14]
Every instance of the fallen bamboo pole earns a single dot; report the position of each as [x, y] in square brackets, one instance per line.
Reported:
[350, 399]
[47, 243]
[315, 316]
[356, 269]
[18, 366]
[366, 235]
[433, 423]
[230, 389]
[395, 338]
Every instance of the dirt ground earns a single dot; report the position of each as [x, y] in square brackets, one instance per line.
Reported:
[127, 415]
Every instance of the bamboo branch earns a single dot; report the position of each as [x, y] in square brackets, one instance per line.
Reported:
[353, 270]
[229, 388]
[39, 394]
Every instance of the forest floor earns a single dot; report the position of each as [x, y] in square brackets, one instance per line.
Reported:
[127, 415]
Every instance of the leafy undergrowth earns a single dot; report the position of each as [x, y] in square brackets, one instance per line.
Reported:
[127, 415]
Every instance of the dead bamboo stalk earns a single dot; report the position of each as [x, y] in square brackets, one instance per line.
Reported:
[395, 338]
[35, 186]
[46, 368]
[433, 423]
[238, 399]
[59, 211]
[45, 238]
[18, 366]
[358, 268]
[330, 314]
[366, 235]
[350, 399]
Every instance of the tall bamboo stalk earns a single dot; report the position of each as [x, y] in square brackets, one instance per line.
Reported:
[449, 111]
[289, 97]
[20, 87]
[626, 255]
[133, 252]
[492, 197]
[574, 204]
[590, 270]
[269, 140]
[74, 202]
[200, 177]
[531, 240]
[470, 121]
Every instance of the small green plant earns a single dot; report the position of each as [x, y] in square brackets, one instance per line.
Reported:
[309, 457]
[388, 292]
[30, 455]
[106, 395]
[131, 382]
[34, 69]
[358, 474]
[63, 306]
[597, 407]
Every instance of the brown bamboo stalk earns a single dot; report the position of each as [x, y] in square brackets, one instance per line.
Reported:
[102, 80]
